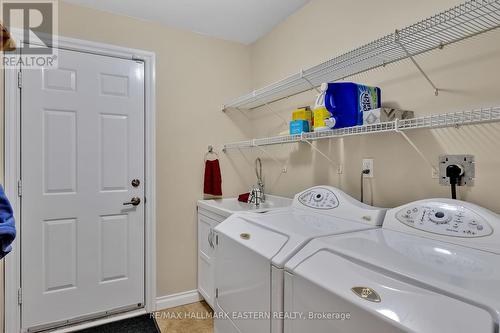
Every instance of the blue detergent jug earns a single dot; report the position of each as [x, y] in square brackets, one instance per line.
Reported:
[347, 101]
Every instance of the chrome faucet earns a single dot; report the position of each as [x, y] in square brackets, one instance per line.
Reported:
[257, 195]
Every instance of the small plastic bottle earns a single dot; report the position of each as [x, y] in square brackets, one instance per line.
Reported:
[323, 119]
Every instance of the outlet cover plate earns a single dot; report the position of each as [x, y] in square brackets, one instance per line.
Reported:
[466, 161]
[368, 164]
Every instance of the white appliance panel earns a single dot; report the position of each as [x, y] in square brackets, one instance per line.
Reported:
[448, 220]
[319, 288]
[243, 285]
[253, 249]
[413, 264]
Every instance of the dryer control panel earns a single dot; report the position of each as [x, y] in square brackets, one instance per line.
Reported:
[331, 201]
[444, 219]
[319, 198]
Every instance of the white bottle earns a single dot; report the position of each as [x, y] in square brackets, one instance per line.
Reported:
[323, 120]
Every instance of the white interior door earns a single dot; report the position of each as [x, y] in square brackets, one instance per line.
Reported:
[82, 145]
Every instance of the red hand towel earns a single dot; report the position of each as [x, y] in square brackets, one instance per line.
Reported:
[244, 197]
[213, 178]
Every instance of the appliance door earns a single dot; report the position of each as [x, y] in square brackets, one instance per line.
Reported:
[465, 272]
[243, 274]
[338, 295]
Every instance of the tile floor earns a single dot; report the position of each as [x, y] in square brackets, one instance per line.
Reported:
[191, 318]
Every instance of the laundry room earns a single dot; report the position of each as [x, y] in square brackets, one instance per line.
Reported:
[250, 166]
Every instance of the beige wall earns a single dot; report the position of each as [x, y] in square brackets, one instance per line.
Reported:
[194, 75]
[466, 72]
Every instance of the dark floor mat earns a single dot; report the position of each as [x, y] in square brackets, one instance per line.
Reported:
[141, 324]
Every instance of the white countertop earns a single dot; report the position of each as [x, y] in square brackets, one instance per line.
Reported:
[226, 207]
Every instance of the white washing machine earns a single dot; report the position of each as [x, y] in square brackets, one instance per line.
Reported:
[252, 250]
[434, 266]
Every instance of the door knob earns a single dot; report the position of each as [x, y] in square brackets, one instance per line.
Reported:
[133, 202]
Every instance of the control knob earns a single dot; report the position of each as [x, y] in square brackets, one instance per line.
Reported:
[439, 217]
[318, 197]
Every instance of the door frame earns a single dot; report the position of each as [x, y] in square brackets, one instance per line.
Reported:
[12, 164]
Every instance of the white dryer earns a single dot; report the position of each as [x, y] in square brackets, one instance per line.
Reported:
[252, 250]
[433, 267]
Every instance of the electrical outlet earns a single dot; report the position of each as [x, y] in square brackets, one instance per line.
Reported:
[368, 165]
[466, 162]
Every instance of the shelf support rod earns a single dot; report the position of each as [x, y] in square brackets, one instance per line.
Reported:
[302, 139]
[414, 146]
[285, 123]
[421, 70]
[283, 167]
[308, 81]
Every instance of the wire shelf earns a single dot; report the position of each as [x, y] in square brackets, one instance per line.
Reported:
[239, 145]
[458, 23]
[453, 119]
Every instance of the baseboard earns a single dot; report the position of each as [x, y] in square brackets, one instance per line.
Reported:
[172, 301]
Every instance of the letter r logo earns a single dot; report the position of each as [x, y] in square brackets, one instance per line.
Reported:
[36, 19]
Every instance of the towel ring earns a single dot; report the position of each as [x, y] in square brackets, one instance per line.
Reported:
[211, 151]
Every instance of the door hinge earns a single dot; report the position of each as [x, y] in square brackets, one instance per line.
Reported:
[19, 188]
[19, 296]
[216, 292]
[19, 80]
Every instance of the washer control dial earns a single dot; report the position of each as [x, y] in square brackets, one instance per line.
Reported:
[444, 219]
[439, 217]
[319, 198]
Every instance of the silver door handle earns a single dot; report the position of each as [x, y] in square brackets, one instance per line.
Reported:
[133, 202]
[211, 239]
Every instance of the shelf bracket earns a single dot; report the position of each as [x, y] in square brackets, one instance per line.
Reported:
[302, 139]
[283, 167]
[414, 146]
[285, 122]
[420, 69]
[308, 81]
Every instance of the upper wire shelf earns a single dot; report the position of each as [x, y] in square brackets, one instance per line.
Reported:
[458, 23]
[453, 119]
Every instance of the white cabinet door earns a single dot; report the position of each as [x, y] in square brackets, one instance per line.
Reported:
[206, 251]
[82, 145]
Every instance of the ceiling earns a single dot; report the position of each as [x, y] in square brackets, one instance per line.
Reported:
[243, 21]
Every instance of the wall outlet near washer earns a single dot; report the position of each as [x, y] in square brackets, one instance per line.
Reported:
[466, 162]
[368, 165]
